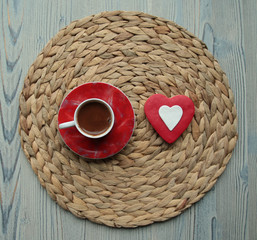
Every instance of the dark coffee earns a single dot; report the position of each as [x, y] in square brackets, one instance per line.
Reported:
[94, 118]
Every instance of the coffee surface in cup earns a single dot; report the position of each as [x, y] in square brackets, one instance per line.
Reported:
[94, 118]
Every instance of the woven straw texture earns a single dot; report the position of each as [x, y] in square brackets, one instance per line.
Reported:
[149, 180]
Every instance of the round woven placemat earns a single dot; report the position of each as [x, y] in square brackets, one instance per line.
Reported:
[149, 180]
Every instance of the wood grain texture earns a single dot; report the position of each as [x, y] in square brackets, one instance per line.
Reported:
[250, 35]
[228, 211]
[10, 74]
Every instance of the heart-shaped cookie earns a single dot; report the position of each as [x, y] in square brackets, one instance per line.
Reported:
[169, 116]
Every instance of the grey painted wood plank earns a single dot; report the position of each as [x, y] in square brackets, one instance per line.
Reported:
[27, 212]
[232, 187]
[11, 22]
[250, 36]
[221, 29]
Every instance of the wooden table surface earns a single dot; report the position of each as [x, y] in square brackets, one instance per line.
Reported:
[228, 211]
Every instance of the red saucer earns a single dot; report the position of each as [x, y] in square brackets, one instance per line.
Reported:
[120, 133]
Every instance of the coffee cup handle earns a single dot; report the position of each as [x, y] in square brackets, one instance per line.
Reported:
[66, 124]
